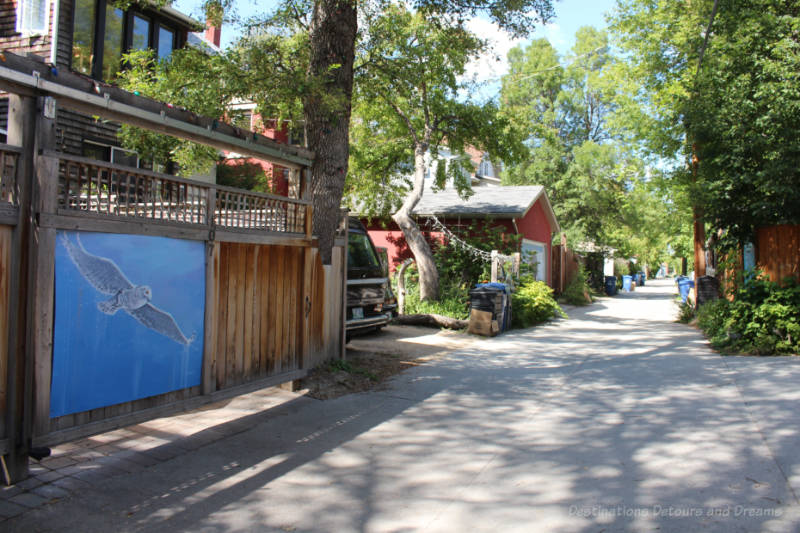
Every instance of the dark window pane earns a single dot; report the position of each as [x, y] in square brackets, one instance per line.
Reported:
[166, 38]
[96, 151]
[83, 36]
[124, 157]
[141, 33]
[112, 43]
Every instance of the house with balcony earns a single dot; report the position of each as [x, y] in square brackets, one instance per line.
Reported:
[89, 37]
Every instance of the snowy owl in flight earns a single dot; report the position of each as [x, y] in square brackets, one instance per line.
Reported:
[106, 277]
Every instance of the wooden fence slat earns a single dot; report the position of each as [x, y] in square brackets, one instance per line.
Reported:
[272, 303]
[249, 303]
[224, 311]
[261, 316]
[280, 309]
[211, 322]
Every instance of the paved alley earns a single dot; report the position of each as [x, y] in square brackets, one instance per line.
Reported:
[616, 419]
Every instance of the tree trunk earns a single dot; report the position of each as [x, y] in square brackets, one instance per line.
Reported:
[327, 111]
[428, 275]
[432, 321]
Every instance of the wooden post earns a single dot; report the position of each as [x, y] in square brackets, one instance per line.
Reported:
[494, 266]
[343, 329]
[211, 318]
[21, 132]
[305, 194]
[41, 314]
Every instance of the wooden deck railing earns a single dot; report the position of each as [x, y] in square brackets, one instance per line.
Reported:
[9, 156]
[98, 187]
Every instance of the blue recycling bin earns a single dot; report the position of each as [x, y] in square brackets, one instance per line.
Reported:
[684, 286]
[627, 282]
[611, 285]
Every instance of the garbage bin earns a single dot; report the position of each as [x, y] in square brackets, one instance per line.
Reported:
[490, 309]
[611, 285]
[685, 285]
[627, 282]
[707, 289]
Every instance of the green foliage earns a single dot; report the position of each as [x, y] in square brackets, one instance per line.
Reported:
[533, 303]
[412, 97]
[577, 291]
[745, 118]
[250, 176]
[601, 187]
[686, 310]
[737, 111]
[342, 365]
[459, 266]
[201, 83]
[763, 318]
[459, 270]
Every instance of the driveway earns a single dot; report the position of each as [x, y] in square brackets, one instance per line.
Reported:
[616, 419]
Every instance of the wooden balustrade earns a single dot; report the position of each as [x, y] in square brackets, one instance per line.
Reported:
[98, 187]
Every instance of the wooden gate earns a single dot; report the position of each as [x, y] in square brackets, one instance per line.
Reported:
[262, 312]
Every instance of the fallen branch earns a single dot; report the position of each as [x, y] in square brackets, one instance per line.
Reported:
[432, 321]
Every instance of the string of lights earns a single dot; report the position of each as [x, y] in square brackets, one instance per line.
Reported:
[436, 225]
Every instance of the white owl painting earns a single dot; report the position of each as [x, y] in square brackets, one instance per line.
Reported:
[106, 277]
[129, 318]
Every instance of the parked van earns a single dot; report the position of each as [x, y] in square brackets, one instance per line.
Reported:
[367, 283]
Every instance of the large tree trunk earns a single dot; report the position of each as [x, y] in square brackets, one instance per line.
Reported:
[327, 111]
[428, 275]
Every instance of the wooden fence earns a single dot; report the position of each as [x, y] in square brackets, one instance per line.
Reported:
[778, 251]
[267, 309]
[565, 265]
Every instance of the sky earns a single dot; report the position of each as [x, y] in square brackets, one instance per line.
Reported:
[570, 15]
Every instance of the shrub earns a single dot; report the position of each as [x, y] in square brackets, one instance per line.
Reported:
[686, 311]
[533, 303]
[453, 298]
[764, 319]
[577, 292]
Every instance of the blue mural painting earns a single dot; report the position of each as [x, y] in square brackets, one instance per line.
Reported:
[128, 320]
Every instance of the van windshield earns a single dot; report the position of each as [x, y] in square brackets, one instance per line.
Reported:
[360, 253]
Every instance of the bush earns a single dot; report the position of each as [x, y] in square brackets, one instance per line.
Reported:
[533, 303]
[686, 311]
[453, 298]
[763, 319]
[577, 292]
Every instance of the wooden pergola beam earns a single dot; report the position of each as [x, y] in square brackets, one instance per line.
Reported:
[22, 75]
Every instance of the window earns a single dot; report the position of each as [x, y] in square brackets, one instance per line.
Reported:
[112, 154]
[83, 36]
[102, 33]
[140, 39]
[112, 42]
[166, 42]
[33, 16]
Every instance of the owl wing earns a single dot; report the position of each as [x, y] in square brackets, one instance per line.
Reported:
[101, 273]
[159, 321]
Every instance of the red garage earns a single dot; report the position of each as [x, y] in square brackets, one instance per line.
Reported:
[523, 210]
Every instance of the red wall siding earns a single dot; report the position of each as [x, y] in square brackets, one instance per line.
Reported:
[535, 227]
